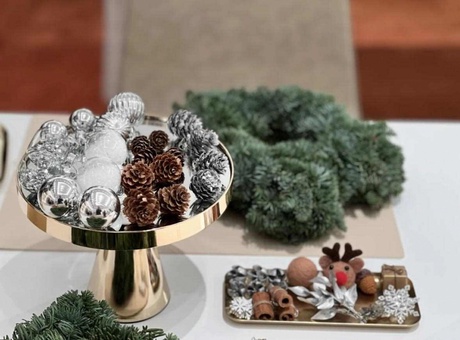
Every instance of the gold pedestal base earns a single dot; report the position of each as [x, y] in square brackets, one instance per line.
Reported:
[131, 281]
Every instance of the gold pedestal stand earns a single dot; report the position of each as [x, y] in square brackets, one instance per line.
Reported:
[128, 273]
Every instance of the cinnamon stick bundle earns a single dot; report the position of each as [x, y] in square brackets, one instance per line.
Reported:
[280, 296]
[287, 314]
[262, 306]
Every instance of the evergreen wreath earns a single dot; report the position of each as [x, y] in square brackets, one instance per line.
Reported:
[299, 158]
[81, 317]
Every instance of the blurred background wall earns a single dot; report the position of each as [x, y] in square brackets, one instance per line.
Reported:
[407, 56]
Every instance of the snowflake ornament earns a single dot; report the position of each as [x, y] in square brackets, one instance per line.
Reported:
[241, 308]
[398, 303]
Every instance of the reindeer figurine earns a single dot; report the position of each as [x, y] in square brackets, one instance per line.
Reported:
[348, 269]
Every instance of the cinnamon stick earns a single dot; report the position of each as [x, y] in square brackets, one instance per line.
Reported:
[287, 314]
[262, 306]
[280, 296]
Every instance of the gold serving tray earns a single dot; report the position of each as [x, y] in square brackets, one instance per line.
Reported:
[306, 311]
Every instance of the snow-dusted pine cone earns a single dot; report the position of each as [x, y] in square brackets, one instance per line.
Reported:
[182, 123]
[158, 140]
[131, 104]
[200, 142]
[206, 185]
[212, 159]
[114, 120]
[139, 144]
[167, 168]
[141, 207]
[174, 199]
[136, 176]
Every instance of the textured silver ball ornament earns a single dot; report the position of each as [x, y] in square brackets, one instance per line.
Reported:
[116, 121]
[99, 207]
[82, 120]
[131, 105]
[58, 196]
[53, 130]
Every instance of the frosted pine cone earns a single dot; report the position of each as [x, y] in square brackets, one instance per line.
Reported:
[206, 185]
[211, 159]
[131, 105]
[200, 142]
[136, 176]
[146, 155]
[139, 144]
[158, 140]
[115, 121]
[167, 168]
[182, 123]
[141, 207]
[174, 199]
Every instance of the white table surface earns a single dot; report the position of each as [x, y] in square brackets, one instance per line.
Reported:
[427, 214]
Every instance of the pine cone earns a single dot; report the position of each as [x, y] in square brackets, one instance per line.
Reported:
[174, 199]
[146, 155]
[181, 123]
[201, 141]
[138, 144]
[158, 140]
[141, 207]
[212, 159]
[178, 153]
[206, 185]
[167, 168]
[136, 176]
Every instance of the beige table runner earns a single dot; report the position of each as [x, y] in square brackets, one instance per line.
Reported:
[377, 235]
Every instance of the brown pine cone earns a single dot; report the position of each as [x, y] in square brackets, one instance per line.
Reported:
[141, 207]
[178, 153]
[146, 155]
[136, 176]
[158, 140]
[139, 144]
[167, 168]
[174, 199]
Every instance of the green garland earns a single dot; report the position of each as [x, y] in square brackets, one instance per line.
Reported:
[75, 316]
[299, 158]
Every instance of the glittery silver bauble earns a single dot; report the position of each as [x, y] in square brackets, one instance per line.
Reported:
[130, 104]
[182, 123]
[58, 196]
[99, 207]
[206, 185]
[53, 130]
[82, 120]
[115, 121]
[32, 180]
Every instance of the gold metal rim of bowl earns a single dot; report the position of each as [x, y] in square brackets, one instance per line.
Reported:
[129, 240]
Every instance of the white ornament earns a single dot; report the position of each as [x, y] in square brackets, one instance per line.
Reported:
[99, 171]
[107, 144]
[241, 308]
[398, 303]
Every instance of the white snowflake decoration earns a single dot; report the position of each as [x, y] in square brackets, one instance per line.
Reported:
[241, 308]
[398, 303]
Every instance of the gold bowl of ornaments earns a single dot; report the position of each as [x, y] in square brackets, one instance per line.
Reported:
[125, 183]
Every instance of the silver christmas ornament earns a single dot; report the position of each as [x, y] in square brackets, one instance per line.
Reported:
[53, 130]
[241, 308]
[108, 144]
[32, 179]
[99, 207]
[99, 171]
[82, 120]
[131, 105]
[182, 123]
[206, 185]
[115, 121]
[398, 303]
[58, 196]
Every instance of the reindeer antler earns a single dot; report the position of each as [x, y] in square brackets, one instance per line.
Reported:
[350, 253]
[333, 253]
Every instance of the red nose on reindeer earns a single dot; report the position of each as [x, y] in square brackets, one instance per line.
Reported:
[341, 278]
